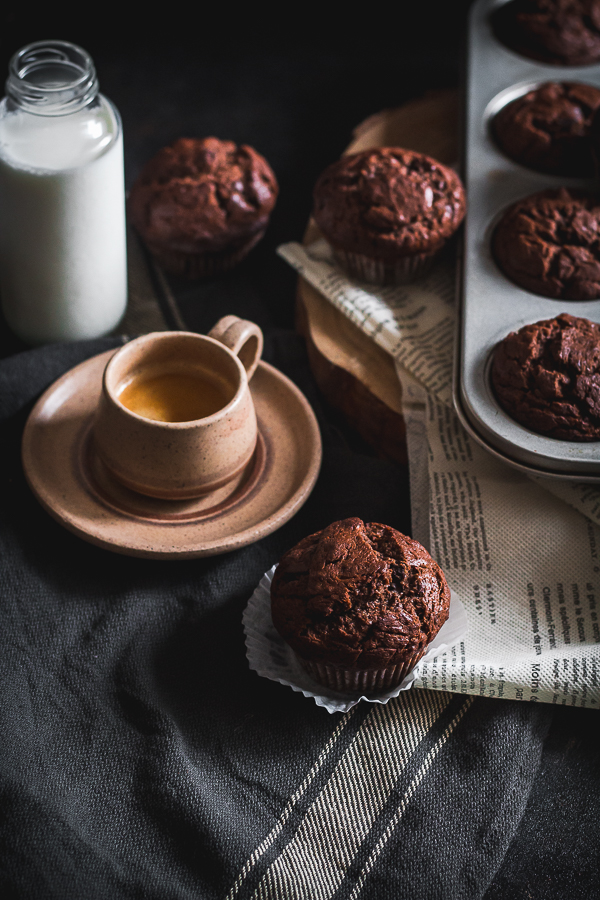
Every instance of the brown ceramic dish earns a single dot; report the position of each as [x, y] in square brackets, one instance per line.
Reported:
[71, 483]
[176, 419]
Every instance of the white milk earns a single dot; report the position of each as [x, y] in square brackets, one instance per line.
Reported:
[63, 269]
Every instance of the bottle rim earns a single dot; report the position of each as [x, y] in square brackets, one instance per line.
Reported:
[51, 78]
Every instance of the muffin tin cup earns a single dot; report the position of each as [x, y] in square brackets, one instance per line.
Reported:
[491, 305]
[360, 680]
[376, 271]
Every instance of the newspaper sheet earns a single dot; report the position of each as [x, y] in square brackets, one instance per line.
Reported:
[521, 553]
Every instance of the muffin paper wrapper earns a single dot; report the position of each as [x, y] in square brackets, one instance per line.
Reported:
[375, 271]
[272, 658]
[204, 265]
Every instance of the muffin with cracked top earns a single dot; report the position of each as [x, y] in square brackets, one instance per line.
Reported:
[549, 244]
[563, 32]
[387, 212]
[547, 377]
[200, 205]
[358, 604]
[549, 128]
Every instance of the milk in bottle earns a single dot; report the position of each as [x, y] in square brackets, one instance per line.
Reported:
[63, 272]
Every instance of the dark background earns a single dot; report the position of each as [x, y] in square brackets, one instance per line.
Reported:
[293, 85]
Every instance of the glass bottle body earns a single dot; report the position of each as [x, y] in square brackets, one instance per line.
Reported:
[63, 269]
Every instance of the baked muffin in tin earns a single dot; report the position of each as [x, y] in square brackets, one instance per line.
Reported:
[549, 244]
[546, 376]
[563, 32]
[548, 129]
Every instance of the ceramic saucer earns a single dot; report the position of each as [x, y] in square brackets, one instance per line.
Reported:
[71, 483]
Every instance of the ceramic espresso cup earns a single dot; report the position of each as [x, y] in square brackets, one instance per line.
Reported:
[176, 418]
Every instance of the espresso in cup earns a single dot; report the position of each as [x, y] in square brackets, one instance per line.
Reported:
[176, 418]
[174, 396]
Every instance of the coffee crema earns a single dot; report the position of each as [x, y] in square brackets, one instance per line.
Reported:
[174, 396]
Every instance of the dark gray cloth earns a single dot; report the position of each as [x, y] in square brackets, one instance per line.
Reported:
[140, 757]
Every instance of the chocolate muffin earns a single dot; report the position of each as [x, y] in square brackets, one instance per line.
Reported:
[547, 377]
[387, 212]
[548, 129]
[200, 205]
[563, 32]
[549, 243]
[359, 604]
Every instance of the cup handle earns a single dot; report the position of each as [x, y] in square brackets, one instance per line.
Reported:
[243, 338]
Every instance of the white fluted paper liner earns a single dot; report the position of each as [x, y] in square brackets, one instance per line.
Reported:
[270, 657]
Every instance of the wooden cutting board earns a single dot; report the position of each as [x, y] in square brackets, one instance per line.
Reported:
[354, 374]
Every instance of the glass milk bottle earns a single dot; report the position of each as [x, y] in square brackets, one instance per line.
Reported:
[63, 269]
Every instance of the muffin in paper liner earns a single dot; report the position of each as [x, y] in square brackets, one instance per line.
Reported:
[270, 657]
[353, 680]
[203, 265]
[387, 212]
[379, 272]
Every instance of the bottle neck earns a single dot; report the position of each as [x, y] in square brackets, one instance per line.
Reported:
[51, 78]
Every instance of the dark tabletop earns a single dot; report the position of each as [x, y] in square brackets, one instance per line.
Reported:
[133, 763]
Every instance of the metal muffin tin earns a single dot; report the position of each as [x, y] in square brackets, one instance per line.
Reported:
[492, 306]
